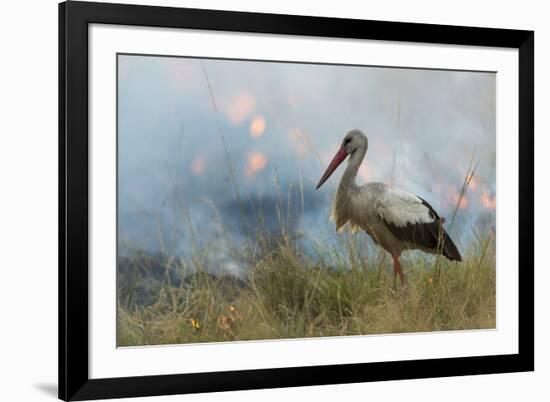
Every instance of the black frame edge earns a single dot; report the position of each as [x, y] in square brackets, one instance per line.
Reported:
[62, 334]
[126, 387]
[73, 265]
[526, 263]
[283, 24]
[74, 17]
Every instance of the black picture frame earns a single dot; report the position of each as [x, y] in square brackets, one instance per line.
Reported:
[74, 381]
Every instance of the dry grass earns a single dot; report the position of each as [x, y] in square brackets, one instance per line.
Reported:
[290, 295]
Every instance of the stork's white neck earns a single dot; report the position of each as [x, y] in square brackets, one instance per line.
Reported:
[355, 160]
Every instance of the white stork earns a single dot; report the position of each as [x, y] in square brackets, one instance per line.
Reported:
[395, 219]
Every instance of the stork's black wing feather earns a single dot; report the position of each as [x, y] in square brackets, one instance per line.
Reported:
[430, 236]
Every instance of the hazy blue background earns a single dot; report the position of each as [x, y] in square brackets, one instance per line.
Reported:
[282, 124]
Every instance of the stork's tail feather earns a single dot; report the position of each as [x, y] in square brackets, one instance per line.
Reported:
[448, 248]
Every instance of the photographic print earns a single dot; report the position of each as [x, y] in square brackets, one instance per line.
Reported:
[274, 200]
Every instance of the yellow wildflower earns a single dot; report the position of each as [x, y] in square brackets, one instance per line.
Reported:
[225, 322]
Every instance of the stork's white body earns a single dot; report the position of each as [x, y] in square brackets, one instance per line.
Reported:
[371, 206]
[395, 219]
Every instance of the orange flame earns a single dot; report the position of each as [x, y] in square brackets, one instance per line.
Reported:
[239, 107]
[257, 127]
[463, 202]
[472, 182]
[255, 163]
[197, 166]
[487, 201]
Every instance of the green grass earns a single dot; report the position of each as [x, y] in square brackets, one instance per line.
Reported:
[288, 294]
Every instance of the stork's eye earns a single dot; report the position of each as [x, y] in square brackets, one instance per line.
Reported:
[347, 141]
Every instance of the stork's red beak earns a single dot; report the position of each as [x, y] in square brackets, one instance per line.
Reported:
[338, 158]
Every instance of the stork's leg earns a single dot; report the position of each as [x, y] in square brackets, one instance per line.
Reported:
[397, 271]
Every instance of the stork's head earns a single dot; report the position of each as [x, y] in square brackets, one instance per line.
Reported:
[353, 141]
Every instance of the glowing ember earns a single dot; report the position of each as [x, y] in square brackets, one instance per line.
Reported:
[472, 182]
[462, 202]
[487, 201]
[239, 107]
[197, 166]
[257, 127]
[256, 162]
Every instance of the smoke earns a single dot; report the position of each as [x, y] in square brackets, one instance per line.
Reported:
[282, 123]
